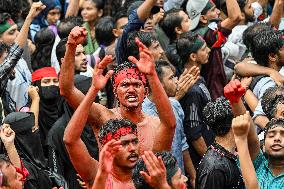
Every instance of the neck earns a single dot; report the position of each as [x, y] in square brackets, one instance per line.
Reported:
[121, 174]
[91, 24]
[190, 64]
[226, 142]
[274, 66]
[135, 115]
[276, 166]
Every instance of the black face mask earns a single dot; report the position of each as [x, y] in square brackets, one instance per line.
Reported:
[49, 92]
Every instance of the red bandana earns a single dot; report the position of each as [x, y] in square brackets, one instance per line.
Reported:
[43, 72]
[128, 74]
[120, 132]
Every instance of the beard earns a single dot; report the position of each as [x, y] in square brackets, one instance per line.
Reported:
[273, 158]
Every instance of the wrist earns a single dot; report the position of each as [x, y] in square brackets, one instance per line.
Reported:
[9, 145]
[241, 139]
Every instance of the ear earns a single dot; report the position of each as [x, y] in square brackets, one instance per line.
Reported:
[115, 32]
[193, 57]
[203, 19]
[178, 30]
[272, 57]
[101, 12]
[147, 91]
[243, 16]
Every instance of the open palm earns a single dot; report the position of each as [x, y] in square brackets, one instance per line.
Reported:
[100, 80]
[146, 63]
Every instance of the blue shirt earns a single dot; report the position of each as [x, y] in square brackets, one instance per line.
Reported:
[179, 142]
[265, 177]
[134, 24]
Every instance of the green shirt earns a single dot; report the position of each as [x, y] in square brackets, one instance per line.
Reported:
[265, 177]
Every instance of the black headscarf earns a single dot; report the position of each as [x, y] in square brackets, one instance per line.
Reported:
[61, 163]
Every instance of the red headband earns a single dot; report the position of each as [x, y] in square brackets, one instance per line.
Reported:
[129, 73]
[119, 133]
[43, 72]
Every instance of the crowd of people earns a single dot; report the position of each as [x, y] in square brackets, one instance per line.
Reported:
[152, 94]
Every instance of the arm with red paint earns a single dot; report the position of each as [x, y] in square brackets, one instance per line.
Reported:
[76, 148]
[74, 97]
[233, 92]
[165, 133]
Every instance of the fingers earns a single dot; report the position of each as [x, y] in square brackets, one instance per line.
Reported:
[109, 74]
[150, 162]
[133, 59]
[103, 64]
[146, 176]
[140, 44]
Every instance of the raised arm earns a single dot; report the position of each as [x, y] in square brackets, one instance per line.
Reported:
[67, 89]
[241, 127]
[233, 92]
[76, 148]
[165, 133]
[144, 10]
[36, 8]
[33, 94]
[277, 13]
[8, 136]
[73, 8]
[234, 14]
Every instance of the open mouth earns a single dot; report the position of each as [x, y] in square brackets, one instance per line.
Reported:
[132, 98]
[133, 157]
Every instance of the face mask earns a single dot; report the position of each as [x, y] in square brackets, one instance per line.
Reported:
[49, 92]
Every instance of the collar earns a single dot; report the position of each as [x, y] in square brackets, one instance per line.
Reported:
[222, 151]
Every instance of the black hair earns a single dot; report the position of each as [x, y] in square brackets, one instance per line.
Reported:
[104, 34]
[44, 40]
[184, 44]
[3, 48]
[120, 14]
[13, 7]
[160, 64]
[60, 49]
[218, 115]
[242, 4]
[67, 24]
[170, 164]
[270, 99]
[265, 43]
[171, 20]
[4, 16]
[272, 124]
[99, 4]
[147, 38]
[112, 125]
[252, 31]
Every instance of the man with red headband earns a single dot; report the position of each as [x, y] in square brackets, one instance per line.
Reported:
[130, 88]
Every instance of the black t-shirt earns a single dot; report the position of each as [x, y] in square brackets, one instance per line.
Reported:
[218, 170]
[194, 126]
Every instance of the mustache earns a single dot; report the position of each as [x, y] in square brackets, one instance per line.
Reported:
[132, 155]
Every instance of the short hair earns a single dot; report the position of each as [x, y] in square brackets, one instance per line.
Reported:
[252, 31]
[160, 64]
[218, 115]
[184, 44]
[147, 38]
[4, 16]
[171, 20]
[60, 49]
[270, 99]
[120, 14]
[242, 4]
[13, 6]
[265, 43]
[112, 125]
[272, 124]
[104, 34]
[67, 24]
[170, 164]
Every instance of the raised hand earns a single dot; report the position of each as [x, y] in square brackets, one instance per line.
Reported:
[157, 177]
[146, 64]
[233, 91]
[187, 79]
[33, 92]
[241, 126]
[99, 80]
[7, 134]
[107, 155]
[36, 8]
[77, 35]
